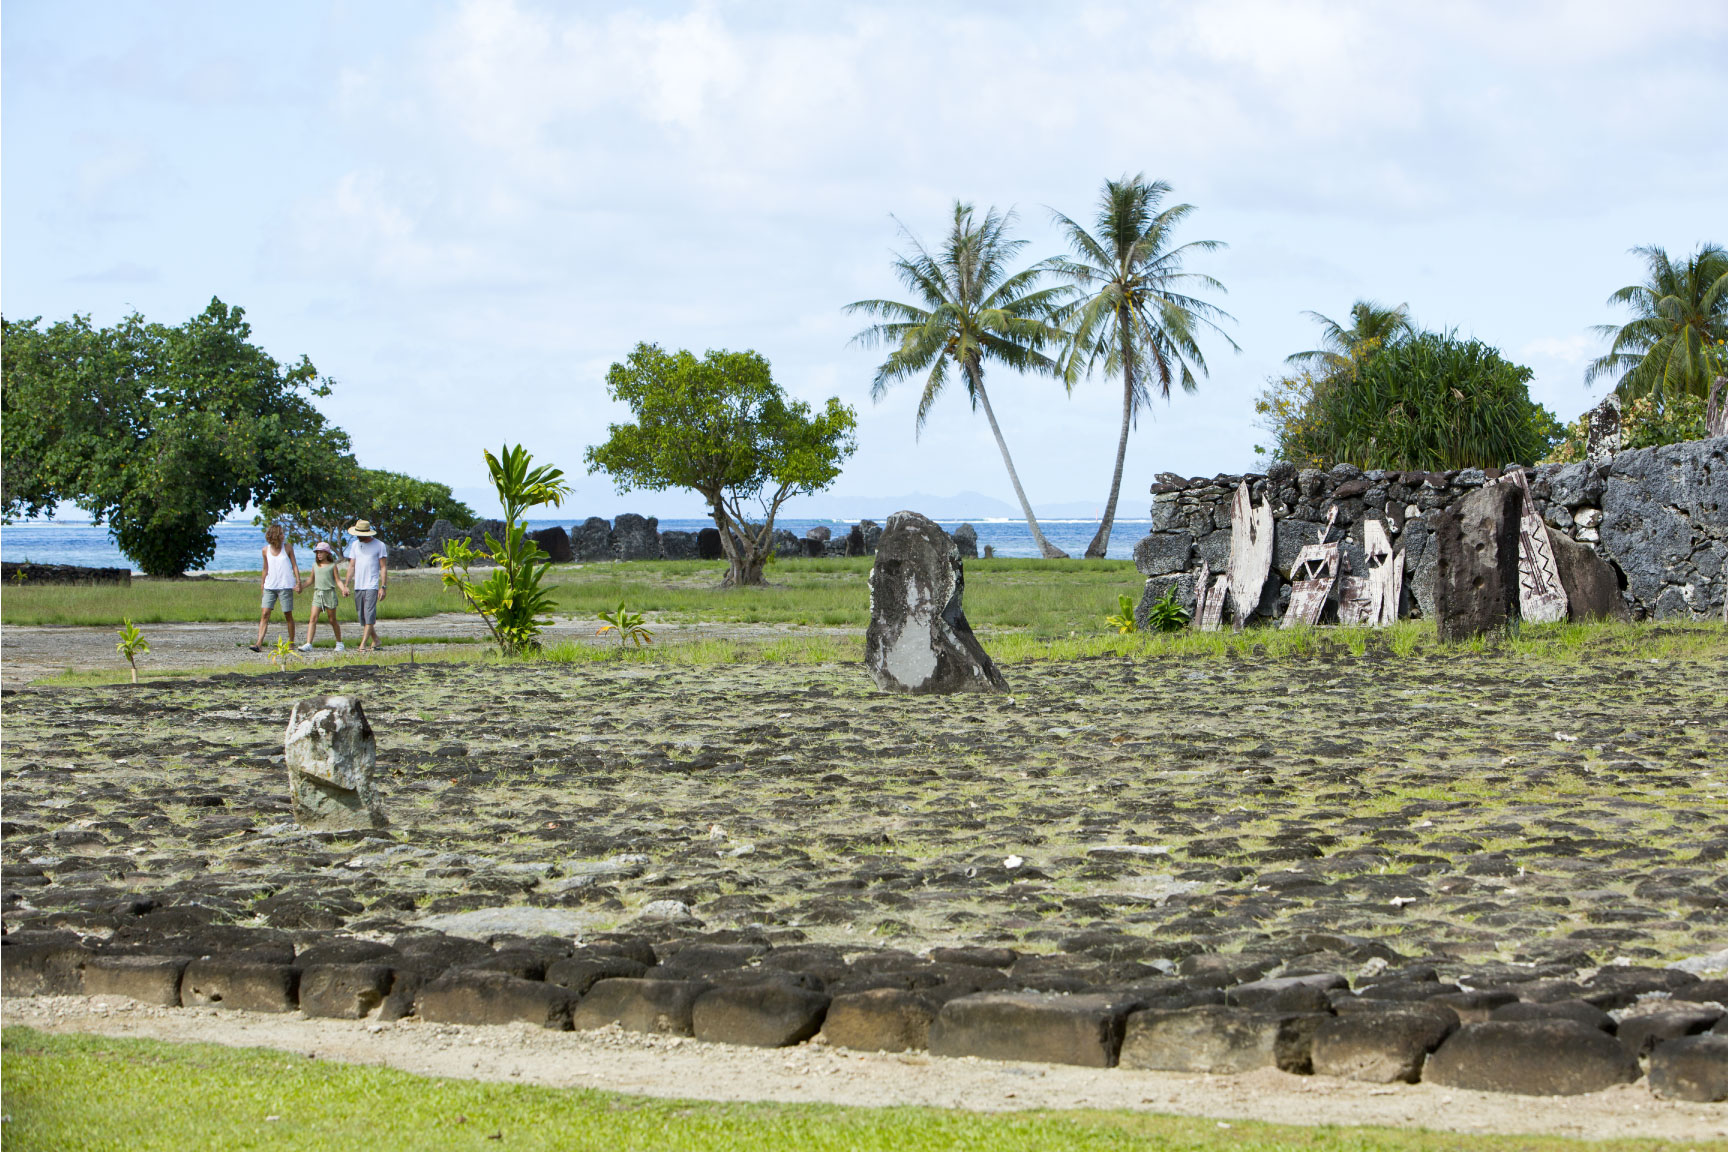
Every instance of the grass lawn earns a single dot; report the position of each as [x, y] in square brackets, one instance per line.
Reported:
[199, 601]
[1043, 597]
[97, 1093]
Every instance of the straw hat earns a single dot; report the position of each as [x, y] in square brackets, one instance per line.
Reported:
[362, 529]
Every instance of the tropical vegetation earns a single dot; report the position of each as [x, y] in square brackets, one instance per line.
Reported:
[1430, 401]
[160, 431]
[401, 509]
[969, 309]
[1676, 343]
[1372, 326]
[721, 427]
[1131, 314]
[513, 601]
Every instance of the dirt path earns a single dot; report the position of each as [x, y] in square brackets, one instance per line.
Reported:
[32, 652]
[674, 1067]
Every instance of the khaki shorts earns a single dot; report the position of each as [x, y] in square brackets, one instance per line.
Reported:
[325, 599]
[275, 596]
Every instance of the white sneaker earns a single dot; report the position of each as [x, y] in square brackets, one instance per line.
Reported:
[306, 647]
[341, 647]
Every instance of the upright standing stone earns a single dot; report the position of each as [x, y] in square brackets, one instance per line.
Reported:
[918, 639]
[331, 755]
[635, 537]
[966, 541]
[555, 542]
[591, 540]
[1476, 572]
[708, 546]
[1602, 430]
[1716, 408]
[1592, 586]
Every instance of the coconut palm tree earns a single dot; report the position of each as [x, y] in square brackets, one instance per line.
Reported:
[971, 309]
[1372, 325]
[1673, 346]
[1128, 313]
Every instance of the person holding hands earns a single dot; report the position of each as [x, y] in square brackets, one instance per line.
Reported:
[281, 575]
[327, 585]
[369, 576]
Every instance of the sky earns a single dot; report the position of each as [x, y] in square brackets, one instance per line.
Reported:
[464, 212]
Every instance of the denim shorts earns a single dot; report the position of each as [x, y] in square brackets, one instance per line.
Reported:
[275, 596]
[366, 605]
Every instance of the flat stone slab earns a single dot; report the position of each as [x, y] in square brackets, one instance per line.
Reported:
[1054, 1028]
[1532, 1058]
[1219, 1040]
[516, 920]
[661, 1006]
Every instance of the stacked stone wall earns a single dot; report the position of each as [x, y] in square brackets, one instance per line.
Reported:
[1658, 515]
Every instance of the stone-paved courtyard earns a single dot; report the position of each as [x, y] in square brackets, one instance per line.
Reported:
[1474, 807]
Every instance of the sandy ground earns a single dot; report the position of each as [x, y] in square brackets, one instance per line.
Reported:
[673, 1067]
[32, 652]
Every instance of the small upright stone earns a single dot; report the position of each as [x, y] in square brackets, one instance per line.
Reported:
[635, 537]
[591, 540]
[966, 542]
[1602, 430]
[331, 755]
[918, 640]
[1476, 577]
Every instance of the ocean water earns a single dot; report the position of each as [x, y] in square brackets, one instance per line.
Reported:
[238, 542]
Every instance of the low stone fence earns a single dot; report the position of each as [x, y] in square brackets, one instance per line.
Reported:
[28, 573]
[633, 537]
[1341, 1006]
[1658, 515]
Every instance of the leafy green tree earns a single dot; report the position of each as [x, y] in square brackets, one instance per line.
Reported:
[1133, 316]
[1372, 326]
[722, 428]
[401, 508]
[1674, 344]
[1431, 402]
[512, 600]
[970, 309]
[160, 431]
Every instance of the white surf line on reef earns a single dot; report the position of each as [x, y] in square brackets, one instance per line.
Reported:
[673, 1067]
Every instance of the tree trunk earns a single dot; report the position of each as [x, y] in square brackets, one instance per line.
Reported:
[1100, 546]
[1048, 550]
[743, 558]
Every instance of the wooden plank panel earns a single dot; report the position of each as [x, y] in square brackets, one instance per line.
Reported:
[1251, 530]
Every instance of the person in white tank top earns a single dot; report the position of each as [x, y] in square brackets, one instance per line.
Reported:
[281, 575]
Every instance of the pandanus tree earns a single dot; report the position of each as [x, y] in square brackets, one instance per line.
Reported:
[1131, 313]
[1372, 327]
[1674, 345]
[970, 309]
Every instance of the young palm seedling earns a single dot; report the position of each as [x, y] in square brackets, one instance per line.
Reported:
[630, 626]
[1123, 620]
[282, 653]
[132, 645]
[1166, 615]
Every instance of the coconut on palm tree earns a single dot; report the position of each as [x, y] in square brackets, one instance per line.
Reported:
[1129, 313]
[1674, 344]
[971, 309]
[1372, 326]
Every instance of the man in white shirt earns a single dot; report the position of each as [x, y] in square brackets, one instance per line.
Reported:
[369, 577]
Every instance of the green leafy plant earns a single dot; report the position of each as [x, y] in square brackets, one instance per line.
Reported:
[1123, 620]
[1430, 401]
[132, 645]
[282, 653]
[512, 601]
[722, 427]
[1166, 615]
[630, 626]
[1677, 340]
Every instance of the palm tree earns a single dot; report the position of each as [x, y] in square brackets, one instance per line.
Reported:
[971, 309]
[1673, 346]
[1372, 325]
[1128, 315]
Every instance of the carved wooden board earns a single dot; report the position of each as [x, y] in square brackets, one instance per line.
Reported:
[1385, 575]
[1214, 618]
[1541, 596]
[1201, 587]
[1312, 578]
[1251, 531]
[1355, 600]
